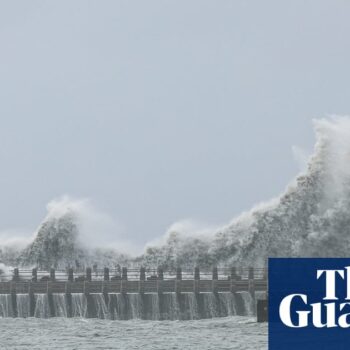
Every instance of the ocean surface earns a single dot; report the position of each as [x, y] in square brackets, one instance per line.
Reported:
[235, 332]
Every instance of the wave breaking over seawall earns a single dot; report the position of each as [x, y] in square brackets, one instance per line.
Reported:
[118, 306]
[63, 240]
[311, 218]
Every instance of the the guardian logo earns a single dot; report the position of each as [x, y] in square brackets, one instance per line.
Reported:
[309, 303]
[325, 306]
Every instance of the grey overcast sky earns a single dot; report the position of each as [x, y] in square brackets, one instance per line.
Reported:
[162, 110]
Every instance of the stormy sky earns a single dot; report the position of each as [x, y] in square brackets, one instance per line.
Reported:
[160, 111]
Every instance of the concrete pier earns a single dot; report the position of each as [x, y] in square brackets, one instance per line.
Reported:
[125, 284]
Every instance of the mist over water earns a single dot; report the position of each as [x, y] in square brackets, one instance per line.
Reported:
[309, 219]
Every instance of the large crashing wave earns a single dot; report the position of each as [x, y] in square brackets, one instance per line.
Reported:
[312, 218]
[54, 244]
[63, 241]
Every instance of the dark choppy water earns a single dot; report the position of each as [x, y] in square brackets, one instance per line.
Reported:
[76, 333]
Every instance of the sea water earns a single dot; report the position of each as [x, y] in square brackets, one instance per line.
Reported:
[226, 333]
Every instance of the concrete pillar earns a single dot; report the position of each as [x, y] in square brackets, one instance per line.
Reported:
[124, 273]
[89, 300]
[251, 273]
[31, 300]
[86, 288]
[179, 274]
[265, 273]
[106, 274]
[233, 278]
[70, 275]
[265, 278]
[262, 310]
[141, 287]
[142, 274]
[215, 273]
[196, 280]
[48, 287]
[160, 273]
[123, 282]
[251, 288]
[251, 284]
[142, 280]
[160, 278]
[15, 277]
[105, 291]
[50, 298]
[197, 275]
[88, 274]
[178, 280]
[14, 299]
[34, 275]
[69, 298]
[87, 292]
[215, 278]
[52, 275]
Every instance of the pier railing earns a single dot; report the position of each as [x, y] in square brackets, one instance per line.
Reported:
[141, 280]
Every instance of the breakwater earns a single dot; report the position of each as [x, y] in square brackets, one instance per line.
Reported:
[160, 295]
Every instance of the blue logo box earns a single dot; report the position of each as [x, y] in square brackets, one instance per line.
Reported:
[309, 303]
